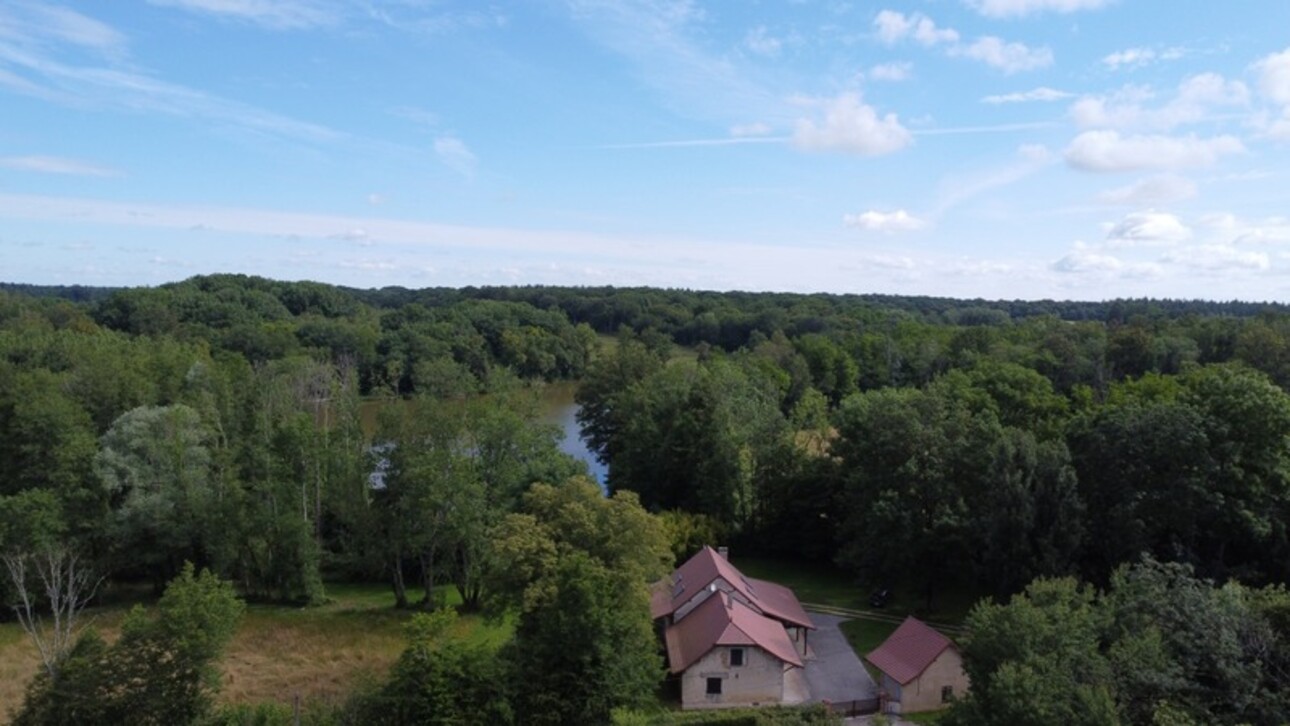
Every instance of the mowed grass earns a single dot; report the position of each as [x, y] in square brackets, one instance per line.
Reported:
[319, 653]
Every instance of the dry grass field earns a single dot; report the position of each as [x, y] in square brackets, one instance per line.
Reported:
[318, 653]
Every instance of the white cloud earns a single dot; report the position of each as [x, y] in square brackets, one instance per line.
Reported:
[893, 27]
[1007, 57]
[742, 131]
[1274, 77]
[273, 14]
[1274, 84]
[1017, 8]
[453, 152]
[1148, 228]
[54, 165]
[875, 221]
[1107, 151]
[1156, 190]
[760, 41]
[852, 126]
[1043, 93]
[1195, 100]
[1082, 259]
[891, 71]
[1136, 57]
[1217, 258]
[1229, 229]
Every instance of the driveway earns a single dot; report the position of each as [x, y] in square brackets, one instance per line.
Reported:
[835, 673]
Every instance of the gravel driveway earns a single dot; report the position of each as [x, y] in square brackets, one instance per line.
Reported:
[835, 674]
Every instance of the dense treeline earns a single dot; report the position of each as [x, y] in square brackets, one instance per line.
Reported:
[914, 441]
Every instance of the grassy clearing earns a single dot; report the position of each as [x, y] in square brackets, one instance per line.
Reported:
[864, 636]
[813, 582]
[320, 653]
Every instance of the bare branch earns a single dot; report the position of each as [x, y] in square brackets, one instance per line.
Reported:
[68, 586]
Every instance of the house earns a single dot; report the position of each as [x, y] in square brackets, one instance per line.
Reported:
[922, 669]
[732, 640]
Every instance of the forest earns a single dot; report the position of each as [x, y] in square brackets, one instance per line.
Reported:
[1109, 482]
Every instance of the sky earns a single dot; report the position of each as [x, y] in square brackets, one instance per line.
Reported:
[1069, 149]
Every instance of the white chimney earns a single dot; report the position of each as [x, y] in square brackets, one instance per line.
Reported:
[724, 552]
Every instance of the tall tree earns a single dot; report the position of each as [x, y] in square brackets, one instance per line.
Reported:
[577, 567]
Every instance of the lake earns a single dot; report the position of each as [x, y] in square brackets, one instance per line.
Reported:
[559, 408]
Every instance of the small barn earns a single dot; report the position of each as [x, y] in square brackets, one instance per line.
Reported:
[922, 670]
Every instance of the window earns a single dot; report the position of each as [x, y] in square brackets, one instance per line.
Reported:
[736, 656]
[947, 694]
[714, 686]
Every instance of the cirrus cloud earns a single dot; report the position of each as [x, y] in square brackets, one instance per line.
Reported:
[1017, 8]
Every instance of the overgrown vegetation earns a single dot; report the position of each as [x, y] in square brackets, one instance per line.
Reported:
[952, 449]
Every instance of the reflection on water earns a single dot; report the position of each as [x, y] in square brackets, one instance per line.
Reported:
[559, 408]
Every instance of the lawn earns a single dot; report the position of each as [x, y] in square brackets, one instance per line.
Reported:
[319, 653]
[826, 584]
[813, 582]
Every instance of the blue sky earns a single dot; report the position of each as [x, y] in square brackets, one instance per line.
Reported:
[996, 148]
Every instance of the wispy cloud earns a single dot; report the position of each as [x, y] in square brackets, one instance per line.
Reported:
[1008, 57]
[272, 14]
[959, 189]
[1043, 93]
[30, 65]
[453, 152]
[1137, 57]
[900, 71]
[37, 24]
[1018, 8]
[55, 165]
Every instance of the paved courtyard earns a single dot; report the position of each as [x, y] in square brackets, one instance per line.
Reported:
[835, 673]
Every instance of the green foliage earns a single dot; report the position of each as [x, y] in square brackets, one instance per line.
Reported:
[577, 566]
[1159, 647]
[161, 671]
[438, 679]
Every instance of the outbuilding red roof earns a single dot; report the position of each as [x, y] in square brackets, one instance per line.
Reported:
[907, 652]
[724, 620]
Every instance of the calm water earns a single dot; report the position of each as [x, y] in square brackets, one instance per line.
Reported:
[559, 408]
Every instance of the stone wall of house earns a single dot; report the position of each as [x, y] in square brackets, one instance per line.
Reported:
[760, 680]
[925, 693]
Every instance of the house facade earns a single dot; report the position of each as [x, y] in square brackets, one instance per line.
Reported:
[922, 670]
[731, 640]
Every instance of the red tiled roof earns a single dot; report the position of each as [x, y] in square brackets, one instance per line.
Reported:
[907, 652]
[723, 620]
[699, 571]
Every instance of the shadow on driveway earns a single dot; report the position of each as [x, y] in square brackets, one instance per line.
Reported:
[835, 673]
